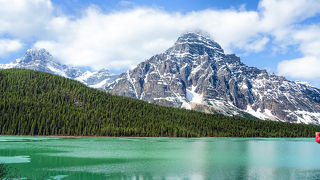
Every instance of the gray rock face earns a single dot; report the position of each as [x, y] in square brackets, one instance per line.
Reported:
[196, 74]
[42, 60]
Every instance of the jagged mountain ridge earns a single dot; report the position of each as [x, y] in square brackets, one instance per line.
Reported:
[42, 60]
[196, 74]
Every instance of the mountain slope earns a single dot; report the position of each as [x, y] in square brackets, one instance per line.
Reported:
[37, 103]
[42, 60]
[196, 74]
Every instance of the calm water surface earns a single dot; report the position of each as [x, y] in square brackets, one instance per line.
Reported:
[161, 158]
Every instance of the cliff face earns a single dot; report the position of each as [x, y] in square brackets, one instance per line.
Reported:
[196, 74]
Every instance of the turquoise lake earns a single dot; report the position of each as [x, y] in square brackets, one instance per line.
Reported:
[160, 158]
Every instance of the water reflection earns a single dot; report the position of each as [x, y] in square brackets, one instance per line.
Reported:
[162, 158]
[14, 159]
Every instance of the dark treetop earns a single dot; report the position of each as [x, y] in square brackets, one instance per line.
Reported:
[38, 103]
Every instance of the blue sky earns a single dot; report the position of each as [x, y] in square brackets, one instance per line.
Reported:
[282, 36]
[74, 6]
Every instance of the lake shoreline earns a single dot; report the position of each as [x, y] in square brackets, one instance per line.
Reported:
[73, 158]
[143, 137]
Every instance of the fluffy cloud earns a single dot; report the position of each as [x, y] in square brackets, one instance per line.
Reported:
[306, 67]
[21, 20]
[8, 46]
[282, 19]
[24, 18]
[121, 39]
[277, 14]
[308, 41]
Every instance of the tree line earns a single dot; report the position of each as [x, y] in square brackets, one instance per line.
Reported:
[38, 103]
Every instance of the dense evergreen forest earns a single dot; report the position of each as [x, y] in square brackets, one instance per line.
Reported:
[37, 103]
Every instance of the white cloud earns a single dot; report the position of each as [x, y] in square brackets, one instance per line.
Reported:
[99, 40]
[306, 67]
[8, 46]
[24, 18]
[257, 45]
[21, 20]
[104, 40]
[121, 39]
[308, 39]
[277, 14]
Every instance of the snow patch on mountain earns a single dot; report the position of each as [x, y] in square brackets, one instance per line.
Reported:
[264, 114]
[42, 60]
[192, 96]
[307, 117]
[100, 84]
[84, 76]
[195, 73]
[57, 71]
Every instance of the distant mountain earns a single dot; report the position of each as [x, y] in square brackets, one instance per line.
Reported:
[196, 74]
[42, 60]
[39, 103]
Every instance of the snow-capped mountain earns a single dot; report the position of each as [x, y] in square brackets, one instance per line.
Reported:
[98, 79]
[196, 74]
[42, 60]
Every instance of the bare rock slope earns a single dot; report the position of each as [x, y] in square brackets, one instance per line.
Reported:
[196, 74]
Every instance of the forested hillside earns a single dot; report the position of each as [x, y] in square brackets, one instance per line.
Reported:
[37, 103]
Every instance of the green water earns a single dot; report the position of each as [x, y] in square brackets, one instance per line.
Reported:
[161, 158]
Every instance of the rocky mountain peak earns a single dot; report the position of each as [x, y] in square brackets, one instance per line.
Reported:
[104, 70]
[35, 54]
[195, 43]
[195, 73]
[42, 60]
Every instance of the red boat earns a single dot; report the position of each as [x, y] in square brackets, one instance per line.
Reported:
[318, 137]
